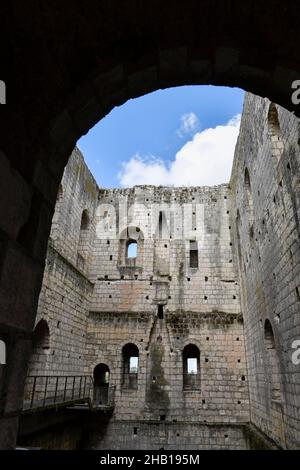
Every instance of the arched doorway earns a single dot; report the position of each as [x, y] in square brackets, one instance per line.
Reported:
[101, 377]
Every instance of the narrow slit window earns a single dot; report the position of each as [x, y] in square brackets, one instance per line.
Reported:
[160, 312]
[160, 224]
[2, 352]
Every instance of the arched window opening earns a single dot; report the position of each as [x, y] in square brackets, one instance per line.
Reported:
[85, 220]
[41, 337]
[83, 240]
[131, 249]
[101, 384]
[130, 360]
[194, 254]
[38, 361]
[249, 202]
[40, 348]
[247, 179]
[191, 367]
[2, 352]
[272, 362]
[275, 132]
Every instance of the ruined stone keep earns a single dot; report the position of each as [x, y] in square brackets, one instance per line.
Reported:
[178, 307]
[123, 52]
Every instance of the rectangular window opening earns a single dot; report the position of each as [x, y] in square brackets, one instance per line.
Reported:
[133, 365]
[192, 366]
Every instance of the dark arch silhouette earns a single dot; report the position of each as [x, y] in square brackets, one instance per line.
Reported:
[41, 336]
[40, 348]
[275, 132]
[247, 178]
[101, 374]
[85, 220]
[272, 362]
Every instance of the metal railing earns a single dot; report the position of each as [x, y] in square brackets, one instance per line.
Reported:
[44, 391]
[51, 391]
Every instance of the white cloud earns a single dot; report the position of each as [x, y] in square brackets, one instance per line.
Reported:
[189, 124]
[205, 160]
[143, 170]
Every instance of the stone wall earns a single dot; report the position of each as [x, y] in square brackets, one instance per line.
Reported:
[166, 436]
[162, 267]
[180, 290]
[265, 216]
[66, 290]
[223, 392]
[208, 261]
[141, 48]
[200, 304]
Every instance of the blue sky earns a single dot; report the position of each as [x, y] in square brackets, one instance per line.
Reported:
[178, 136]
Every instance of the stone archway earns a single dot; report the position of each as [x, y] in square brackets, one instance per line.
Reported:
[68, 66]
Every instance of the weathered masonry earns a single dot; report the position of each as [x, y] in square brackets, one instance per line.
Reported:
[265, 195]
[173, 310]
[123, 53]
[140, 291]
